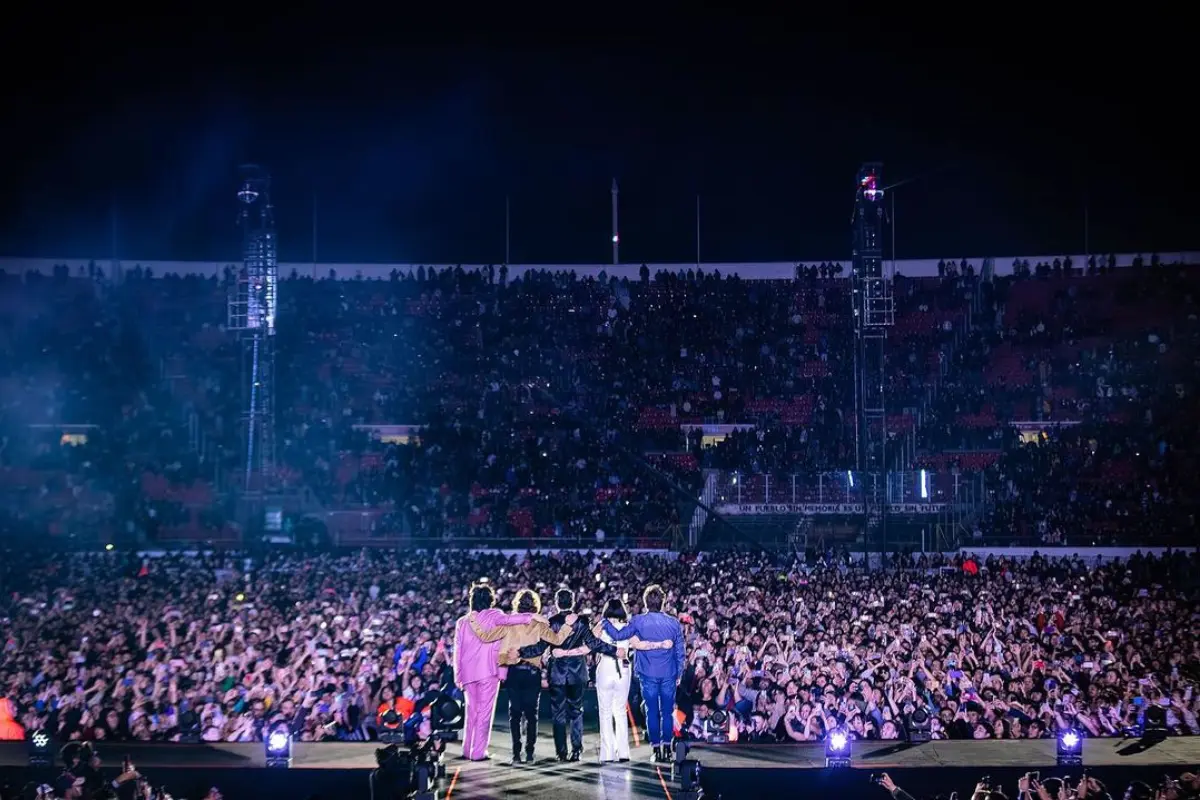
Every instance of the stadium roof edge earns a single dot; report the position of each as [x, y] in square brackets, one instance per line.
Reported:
[753, 271]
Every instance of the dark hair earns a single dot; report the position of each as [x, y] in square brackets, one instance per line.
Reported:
[653, 598]
[615, 609]
[564, 599]
[482, 597]
[527, 602]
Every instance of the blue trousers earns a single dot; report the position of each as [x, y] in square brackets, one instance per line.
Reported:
[658, 698]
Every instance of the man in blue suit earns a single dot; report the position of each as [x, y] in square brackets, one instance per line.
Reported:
[658, 671]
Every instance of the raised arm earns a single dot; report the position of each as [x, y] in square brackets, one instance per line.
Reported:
[532, 651]
[488, 635]
[554, 638]
[628, 632]
[596, 644]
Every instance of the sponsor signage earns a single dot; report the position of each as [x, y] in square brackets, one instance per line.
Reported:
[825, 509]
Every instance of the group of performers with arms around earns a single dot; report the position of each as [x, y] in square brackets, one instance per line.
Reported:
[531, 652]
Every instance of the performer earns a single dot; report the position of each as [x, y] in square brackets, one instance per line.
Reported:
[477, 668]
[524, 676]
[569, 673]
[658, 671]
[612, 691]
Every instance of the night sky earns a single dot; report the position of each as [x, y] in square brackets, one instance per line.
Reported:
[411, 138]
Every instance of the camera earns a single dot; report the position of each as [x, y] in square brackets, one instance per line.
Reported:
[413, 770]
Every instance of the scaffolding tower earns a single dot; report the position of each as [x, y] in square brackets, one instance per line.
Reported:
[253, 304]
[873, 313]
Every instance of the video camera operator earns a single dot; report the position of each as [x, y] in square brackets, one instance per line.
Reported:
[885, 780]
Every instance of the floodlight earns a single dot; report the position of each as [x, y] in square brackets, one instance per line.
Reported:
[1069, 748]
[279, 748]
[837, 750]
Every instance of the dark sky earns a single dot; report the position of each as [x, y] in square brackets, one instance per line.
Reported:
[411, 137]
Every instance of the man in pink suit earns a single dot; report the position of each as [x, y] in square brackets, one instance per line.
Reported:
[477, 668]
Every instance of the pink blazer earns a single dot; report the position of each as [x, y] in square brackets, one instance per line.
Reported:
[475, 660]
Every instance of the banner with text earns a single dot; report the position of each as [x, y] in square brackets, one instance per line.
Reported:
[825, 509]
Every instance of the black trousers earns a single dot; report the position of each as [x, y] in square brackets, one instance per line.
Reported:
[524, 686]
[566, 705]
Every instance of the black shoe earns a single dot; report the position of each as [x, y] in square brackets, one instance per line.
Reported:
[561, 757]
[574, 756]
[657, 757]
[622, 760]
[516, 759]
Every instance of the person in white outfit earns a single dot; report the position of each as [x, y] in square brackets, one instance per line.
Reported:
[612, 691]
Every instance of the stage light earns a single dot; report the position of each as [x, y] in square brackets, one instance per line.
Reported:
[1154, 720]
[919, 725]
[837, 750]
[41, 749]
[189, 727]
[716, 727]
[1069, 748]
[279, 749]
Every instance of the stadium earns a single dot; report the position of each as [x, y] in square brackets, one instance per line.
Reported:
[891, 501]
[602, 524]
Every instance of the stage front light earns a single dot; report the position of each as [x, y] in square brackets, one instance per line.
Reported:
[41, 749]
[919, 726]
[279, 749]
[837, 750]
[1069, 748]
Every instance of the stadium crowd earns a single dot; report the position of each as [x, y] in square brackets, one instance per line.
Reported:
[102, 647]
[537, 397]
[1086, 787]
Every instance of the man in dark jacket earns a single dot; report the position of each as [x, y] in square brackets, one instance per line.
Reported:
[568, 674]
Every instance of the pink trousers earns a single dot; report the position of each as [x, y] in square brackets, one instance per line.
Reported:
[481, 709]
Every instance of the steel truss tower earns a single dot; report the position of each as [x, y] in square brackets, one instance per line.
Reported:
[253, 304]
[873, 312]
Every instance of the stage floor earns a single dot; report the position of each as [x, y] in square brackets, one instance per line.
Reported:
[339, 770]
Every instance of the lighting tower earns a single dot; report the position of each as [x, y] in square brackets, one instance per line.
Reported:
[873, 312]
[253, 305]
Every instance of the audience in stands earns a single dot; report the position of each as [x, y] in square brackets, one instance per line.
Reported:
[550, 405]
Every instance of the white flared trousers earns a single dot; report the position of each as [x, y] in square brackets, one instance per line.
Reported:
[612, 694]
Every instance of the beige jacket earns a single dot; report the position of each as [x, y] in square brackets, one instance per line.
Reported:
[514, 637]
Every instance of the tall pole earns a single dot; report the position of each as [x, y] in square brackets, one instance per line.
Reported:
[697, 231]
[112, 233]
[893, 198]
[1086, 230]
[507, 229]
[616, 237]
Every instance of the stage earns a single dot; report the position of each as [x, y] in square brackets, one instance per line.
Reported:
[340, 770]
